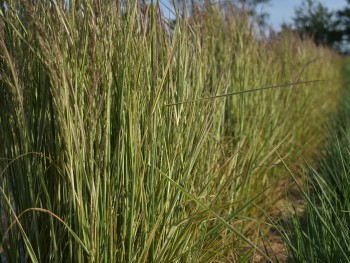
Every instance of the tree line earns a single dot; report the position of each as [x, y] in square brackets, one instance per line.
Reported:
[326, 27]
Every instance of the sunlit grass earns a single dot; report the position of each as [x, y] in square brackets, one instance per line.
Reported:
[103, 162]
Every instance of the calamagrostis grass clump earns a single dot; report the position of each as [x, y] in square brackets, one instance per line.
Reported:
[109, 154]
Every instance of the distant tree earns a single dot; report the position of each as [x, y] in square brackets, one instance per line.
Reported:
[343, 21]
[252, 9]
[315, 20]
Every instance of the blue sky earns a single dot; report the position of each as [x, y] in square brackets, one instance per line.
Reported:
[283, 10]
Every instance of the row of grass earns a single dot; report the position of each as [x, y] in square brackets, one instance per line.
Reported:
[126, 138]
[322, 234]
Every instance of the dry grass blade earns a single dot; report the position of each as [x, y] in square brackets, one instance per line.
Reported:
[245, 91]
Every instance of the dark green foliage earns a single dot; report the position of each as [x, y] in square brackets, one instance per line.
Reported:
[331, 28]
